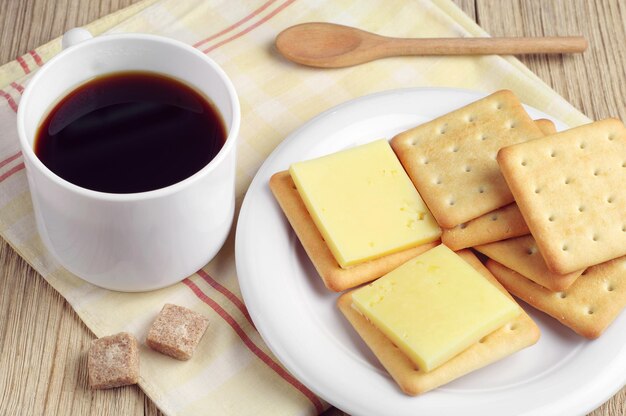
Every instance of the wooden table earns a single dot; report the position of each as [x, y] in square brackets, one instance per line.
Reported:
[42, 341]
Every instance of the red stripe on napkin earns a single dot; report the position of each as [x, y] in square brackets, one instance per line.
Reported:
[237, 24]
[36, 57]
[10, 100]
[10, 159]
[23, 64]
[230, 295]
[18, 87]
[250, 28]
[253, 347]
[11, 171]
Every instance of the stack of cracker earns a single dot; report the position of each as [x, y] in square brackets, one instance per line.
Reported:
[359, 216]
[549, 215]
[452, 162]
[570, 188]
[548, 209]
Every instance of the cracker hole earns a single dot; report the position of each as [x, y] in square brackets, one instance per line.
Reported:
[595, 237]
[589, 311]
[582, 145]
[611, 137]
[551, 218]
[511, 124]
[483, 138]
[561, 295]
[568, 181]
[442, 130]
[425, 161]
[624, 228]
[624, 164]
[494, 217]
[438, 181]
[581, 208]
[610, 199]
[596, 172]
[511, 327]
[552, 153]
[537, 190]
[481, 190]
[498, 106]
[609, 287]
[414, 142]
[470, 119]
[468, 169]
[454, 149]
[523, 163]
[531, 250]
[451, 202]
[564, 247]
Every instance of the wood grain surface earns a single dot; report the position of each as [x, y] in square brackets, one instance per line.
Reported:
[42, 341]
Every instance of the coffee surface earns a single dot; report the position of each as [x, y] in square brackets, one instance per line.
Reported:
[130, 132]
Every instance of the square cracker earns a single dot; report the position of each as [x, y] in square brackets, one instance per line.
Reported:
[571, 190]
[452, 159]
[521, 254]
[503, 223]
[588, 306]
[335, 278]
[512, 337]
[546, 126]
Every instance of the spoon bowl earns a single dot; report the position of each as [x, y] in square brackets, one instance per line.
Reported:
[327, 45]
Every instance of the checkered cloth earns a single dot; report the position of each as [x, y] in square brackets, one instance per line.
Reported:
[233, 372]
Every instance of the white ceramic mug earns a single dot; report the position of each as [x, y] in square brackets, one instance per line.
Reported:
[140, 241]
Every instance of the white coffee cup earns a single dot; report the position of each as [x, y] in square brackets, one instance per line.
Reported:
[140, 241]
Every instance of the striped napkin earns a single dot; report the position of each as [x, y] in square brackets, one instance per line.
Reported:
[233, 372]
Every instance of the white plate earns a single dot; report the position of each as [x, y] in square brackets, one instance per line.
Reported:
[562, 374]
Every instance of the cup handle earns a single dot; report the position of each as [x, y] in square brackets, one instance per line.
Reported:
[75, 36]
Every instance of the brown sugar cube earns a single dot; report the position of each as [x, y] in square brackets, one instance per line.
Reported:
[177, 331]
[113, 361]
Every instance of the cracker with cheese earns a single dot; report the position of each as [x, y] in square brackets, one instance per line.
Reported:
[356, 213]
[456, 327]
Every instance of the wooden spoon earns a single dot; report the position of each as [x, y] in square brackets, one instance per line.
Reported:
[327, 45]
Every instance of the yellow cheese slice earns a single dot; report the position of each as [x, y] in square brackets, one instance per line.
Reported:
[434, 306]
[363, 203]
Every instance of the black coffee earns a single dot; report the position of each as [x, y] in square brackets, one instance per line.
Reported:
[130, 132]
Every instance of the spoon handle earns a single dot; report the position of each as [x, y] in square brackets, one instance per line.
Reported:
[483, 46]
